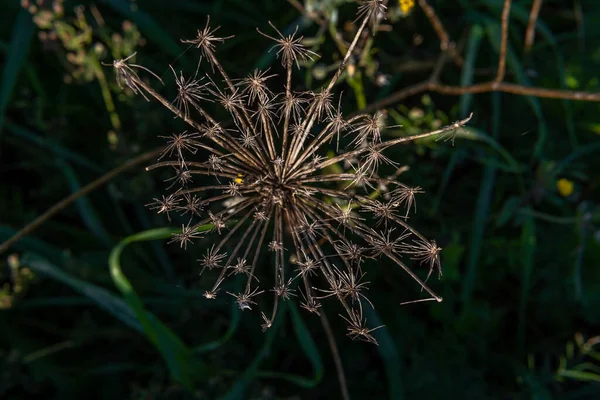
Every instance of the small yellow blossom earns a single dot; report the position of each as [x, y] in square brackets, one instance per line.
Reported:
[239, 179]
[406, 5]
[565, 187]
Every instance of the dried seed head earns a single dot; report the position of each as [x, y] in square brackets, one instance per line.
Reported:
[165, 205]
[212, 259]
[206, 40]
[290, 48]
[187, 235]
[254, 85]
[281, 192]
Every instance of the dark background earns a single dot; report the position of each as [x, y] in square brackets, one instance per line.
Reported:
[514, 203]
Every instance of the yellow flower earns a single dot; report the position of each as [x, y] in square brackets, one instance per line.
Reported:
[239, 179]
[406, 5]
[565, 187]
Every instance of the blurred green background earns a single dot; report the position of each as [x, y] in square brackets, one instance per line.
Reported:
[94, 305]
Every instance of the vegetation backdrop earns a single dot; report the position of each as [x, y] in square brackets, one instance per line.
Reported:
[96, 304]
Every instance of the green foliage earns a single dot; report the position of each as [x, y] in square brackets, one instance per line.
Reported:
[93, 305]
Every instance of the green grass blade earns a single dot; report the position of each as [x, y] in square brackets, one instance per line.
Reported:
[176, 354]
[239, 387]
[22, 34]
[468, 70]
[29, 244]
[528, 243]
[58, 150]
[233, 325]
[590, 149]
[580, 375]
[512, 165]
[466, 100]
[521, 14]
[105, 300]
[389, 354]
[493, 30]
[308, 346]
[160, 253]
[481, 214]
[88, 214]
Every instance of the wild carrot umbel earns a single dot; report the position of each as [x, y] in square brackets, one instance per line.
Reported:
[274, 192]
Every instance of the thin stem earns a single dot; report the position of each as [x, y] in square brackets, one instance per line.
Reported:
[49, 213]
[530, 32]
[503, 42]
[339, 367]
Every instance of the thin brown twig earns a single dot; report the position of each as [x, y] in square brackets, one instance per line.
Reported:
[445, 43]
[496, 85]
[503, 42]
[530, 32]
[336, 356]
[310, 15]
[427, 86]
[49, 213]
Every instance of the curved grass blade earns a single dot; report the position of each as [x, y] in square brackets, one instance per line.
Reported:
[159, 251]
[102, 297]
[304, 340]
[176, 354]
[239, 387]
[233, 325]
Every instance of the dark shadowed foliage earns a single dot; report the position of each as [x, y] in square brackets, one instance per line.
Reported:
[211, 199]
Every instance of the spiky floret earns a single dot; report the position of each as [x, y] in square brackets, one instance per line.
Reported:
[275, 195]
